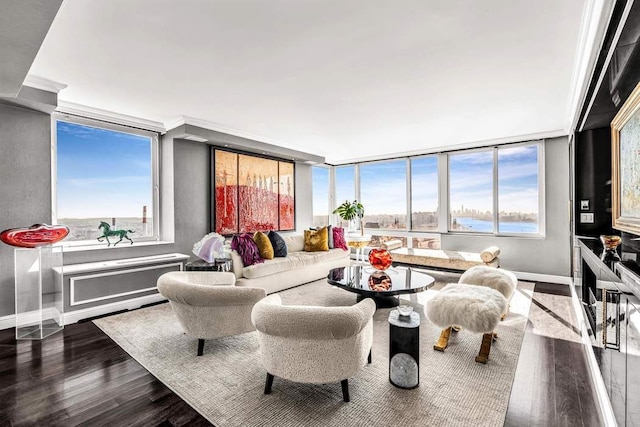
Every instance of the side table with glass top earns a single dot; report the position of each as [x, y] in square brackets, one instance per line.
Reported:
[358, 242]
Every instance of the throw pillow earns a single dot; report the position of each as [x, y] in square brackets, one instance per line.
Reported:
[247, 249]
[330, 234]
[316, 241]
[278, 244]
[264, 245]
[338, 238]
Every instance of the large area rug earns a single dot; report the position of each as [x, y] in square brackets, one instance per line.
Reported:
[226, 384]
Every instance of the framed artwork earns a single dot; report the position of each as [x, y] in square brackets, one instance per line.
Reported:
[252, 193]
[625, 180]
[286, 198]
[226, 192]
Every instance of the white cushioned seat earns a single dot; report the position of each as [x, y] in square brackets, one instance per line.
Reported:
[450, 260]
[475, 308]
[503, 281]
[293, 260]
[313, 344]
[208, 305]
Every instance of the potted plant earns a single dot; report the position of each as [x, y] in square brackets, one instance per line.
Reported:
[351, 211]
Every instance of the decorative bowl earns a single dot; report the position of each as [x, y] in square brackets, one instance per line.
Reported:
[405, 310]
[380, 259]
[610, 242]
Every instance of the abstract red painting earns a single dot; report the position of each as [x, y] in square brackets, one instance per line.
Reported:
[226, 192]
[286, 198]
[252, 193]
[257, 194]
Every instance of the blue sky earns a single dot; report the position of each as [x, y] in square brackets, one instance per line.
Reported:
[471, 177]
[102, 173]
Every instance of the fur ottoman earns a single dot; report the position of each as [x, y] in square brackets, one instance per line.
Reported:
[501, 280]
[475, 308]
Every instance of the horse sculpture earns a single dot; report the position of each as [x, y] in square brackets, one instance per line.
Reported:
[107, 231]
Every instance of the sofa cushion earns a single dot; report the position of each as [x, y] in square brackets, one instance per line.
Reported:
[295, 242]
[292, 261]
[316, 240]
[278, 244]
[338, 239]
[330, 235]
[264, 245]
[246, 248]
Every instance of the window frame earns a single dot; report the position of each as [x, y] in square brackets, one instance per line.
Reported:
[330, 181]
[99, 124]
[444, 213]
[495, 191]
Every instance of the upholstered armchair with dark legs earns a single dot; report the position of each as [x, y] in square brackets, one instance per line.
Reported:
[208, 305]
[316, 345]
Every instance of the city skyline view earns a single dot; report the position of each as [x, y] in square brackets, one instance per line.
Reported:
[471, 187]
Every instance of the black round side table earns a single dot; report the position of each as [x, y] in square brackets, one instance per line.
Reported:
[404, 350]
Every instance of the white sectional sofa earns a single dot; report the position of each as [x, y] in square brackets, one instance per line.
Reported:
[297, 268]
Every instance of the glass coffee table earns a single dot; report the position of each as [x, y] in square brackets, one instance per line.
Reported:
[383, 286]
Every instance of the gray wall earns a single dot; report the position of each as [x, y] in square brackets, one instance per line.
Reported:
[25, 183]
[25, 191]
[551, 255]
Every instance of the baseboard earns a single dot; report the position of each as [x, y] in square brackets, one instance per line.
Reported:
[547, 278]
[71, 317]
[7, 322]
[130, 304]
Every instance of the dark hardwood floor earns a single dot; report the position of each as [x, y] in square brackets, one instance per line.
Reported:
[81, 377]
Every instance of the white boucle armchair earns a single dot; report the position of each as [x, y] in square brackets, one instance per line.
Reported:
[313, 344]
[208, 305]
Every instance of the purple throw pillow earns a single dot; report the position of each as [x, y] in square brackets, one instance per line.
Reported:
[247, 249]
[338, 238]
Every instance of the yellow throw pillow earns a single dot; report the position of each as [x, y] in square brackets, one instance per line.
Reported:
[316, 240]
[264, 245]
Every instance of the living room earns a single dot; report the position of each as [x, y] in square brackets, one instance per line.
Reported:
[445, 121]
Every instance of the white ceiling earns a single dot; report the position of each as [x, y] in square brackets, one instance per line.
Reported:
[340, 79]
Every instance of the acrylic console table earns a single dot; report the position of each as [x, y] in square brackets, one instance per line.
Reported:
[39, 295]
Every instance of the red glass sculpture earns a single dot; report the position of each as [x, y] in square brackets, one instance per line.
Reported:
[380, 259]
[34, 236]
[379, 281]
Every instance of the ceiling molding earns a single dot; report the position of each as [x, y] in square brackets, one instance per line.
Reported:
[446, 148]
[41, 83]
[206, 124]
[593, 28]
[109, 116]
[605, 66]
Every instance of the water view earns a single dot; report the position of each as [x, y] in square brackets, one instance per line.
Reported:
[483, 226]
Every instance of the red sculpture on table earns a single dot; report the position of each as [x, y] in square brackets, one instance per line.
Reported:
[34, 236]
[380, 259]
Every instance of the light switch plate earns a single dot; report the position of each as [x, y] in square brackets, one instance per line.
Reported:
[586, 218]
[584, 205]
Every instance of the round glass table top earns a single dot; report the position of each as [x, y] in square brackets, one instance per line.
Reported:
[366, 280]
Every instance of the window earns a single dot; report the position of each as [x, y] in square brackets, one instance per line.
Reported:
[383, 190]
[518, 193]
[479, 203]
[320, 177]
[345, 186]
[105, 173]
[424, 193]
[471, 191]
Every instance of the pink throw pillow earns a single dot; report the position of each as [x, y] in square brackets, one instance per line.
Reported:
[338, 238]
[247, 249]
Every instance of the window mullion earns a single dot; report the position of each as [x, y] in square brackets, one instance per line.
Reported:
[495, 191]
[409, 218]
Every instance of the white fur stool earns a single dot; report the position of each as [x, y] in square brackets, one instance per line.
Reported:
[475, 308]
[501, 280]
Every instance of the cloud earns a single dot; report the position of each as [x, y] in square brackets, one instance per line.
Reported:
[101, 183]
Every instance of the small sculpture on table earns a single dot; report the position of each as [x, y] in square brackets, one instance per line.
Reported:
[610, 243]
[108, 232]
